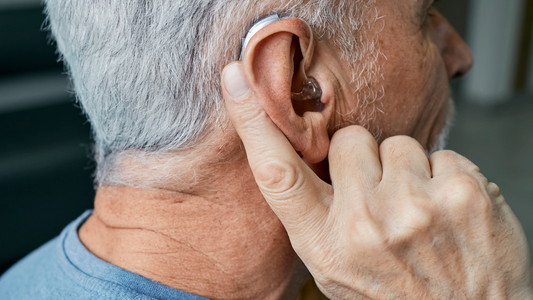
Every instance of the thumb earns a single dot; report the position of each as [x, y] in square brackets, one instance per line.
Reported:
[291, 189]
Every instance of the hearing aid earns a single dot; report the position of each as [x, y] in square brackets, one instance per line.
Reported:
[310, 90]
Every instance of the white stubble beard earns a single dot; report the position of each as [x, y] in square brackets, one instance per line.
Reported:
[442, 138]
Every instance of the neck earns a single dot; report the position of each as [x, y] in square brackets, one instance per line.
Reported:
[223, 242]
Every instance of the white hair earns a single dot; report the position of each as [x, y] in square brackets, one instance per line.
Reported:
[147, 73]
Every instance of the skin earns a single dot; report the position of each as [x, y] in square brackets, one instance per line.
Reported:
[437, 54]
[418, 59]
[393, 225]
[217, 237]
[421, 94]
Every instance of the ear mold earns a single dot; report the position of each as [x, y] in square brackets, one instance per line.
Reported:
[311, 89]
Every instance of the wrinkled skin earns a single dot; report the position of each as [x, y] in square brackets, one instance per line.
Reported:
[419, 53]
[393, 224]
[208, 230]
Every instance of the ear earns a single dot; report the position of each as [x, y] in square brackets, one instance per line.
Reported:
[272, 66]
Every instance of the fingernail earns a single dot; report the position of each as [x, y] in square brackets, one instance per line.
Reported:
[234, 80]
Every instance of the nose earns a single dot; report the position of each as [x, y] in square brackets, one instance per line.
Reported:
[455, 53]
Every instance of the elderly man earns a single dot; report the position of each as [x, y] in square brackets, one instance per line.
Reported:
[180, 210]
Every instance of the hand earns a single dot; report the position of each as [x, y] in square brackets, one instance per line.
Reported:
[393, 224]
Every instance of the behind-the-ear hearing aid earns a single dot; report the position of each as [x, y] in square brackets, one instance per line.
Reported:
[311, 90]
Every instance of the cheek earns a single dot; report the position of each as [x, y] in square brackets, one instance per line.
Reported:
[406, 91]
[415, 85]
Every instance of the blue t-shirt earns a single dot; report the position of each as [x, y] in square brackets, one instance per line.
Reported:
[64, 269]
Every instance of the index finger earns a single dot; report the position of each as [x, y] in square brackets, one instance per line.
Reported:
[291, 189]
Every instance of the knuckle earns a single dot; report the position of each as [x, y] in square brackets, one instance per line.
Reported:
[416, 219]
[398, 141]
[463, 186]
[452, 158]
[351, 133]
[399, 146]
[473, 168]
[444, 156]
[371, 238]
[351, 130]
[349, 141]
[469, 167]
[495, 195]
[465, 194]
[493, 189]
[482, 179]
[277, 177]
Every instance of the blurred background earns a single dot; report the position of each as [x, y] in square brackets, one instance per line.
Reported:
[46, 175]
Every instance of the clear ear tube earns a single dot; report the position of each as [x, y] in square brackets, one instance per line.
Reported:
[310, 88]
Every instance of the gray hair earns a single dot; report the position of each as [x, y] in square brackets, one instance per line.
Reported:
[147, 73]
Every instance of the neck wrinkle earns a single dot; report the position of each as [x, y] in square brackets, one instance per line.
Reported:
[223, 242]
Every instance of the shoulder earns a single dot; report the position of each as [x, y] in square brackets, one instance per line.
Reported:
[64, 269]
[46, 273]
[35, 275]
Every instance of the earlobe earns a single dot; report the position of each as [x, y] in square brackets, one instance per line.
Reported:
[275, 63]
